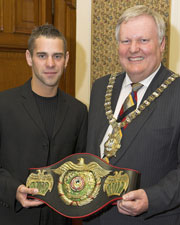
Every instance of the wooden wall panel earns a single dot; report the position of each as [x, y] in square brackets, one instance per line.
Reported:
[46, 12]
[26, 15]
[17, 19]
[14, 70]
[71, 3]
[8, 16]
[65, 21]
[12, 21]
[13, 42]
[1, 15]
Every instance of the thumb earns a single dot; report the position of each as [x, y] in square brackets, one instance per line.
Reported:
[129, 196]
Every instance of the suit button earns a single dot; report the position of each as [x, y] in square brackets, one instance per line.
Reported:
[5, 204]
[45, 146]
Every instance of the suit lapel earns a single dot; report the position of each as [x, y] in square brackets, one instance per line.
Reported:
[30, 106]
[103, 125]
[61, 112]
[101, 132]
[136, 125]
[132, 131]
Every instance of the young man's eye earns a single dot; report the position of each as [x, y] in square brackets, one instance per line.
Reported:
[41, 56]
[58, 56]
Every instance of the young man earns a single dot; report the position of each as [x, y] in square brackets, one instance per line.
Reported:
[39, 125]
[149, 140]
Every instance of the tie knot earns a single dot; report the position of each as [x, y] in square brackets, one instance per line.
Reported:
[136, 86]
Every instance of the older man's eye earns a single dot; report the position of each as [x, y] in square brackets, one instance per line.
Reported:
[144, 40]
[125, 41]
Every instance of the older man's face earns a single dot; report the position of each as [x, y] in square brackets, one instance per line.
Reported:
[140, 52]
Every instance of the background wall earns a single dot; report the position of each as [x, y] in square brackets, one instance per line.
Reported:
[83, 48]
[174, 45]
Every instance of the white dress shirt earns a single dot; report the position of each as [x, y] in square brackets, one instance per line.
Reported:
[125, 91]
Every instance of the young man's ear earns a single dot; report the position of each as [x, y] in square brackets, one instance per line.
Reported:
[28, 58]
[66, 59]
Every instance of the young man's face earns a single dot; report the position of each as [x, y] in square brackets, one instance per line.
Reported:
[48, 62]
[140, 52]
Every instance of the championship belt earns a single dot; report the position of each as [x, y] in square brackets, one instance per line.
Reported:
[81, 184]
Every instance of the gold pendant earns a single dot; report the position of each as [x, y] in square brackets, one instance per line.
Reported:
[112, 145]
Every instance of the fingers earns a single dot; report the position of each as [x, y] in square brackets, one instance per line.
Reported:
[122, 208]
[31, 203]
[22, 193]
[133, 203]
[24, 190]
[127, 207]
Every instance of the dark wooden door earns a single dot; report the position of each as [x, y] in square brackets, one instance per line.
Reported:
[65, 20]
[17, 19]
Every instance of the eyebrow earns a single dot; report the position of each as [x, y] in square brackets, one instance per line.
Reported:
[45, 53]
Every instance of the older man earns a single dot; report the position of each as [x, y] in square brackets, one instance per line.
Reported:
[139, 126]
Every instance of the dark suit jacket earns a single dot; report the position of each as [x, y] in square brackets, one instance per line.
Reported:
[150, 144]
[24, 144]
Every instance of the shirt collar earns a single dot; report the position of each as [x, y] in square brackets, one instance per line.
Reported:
[146, 82]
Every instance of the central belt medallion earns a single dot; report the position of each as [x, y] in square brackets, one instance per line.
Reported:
[79, 183]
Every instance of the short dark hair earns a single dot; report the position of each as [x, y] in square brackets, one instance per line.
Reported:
[46, 30]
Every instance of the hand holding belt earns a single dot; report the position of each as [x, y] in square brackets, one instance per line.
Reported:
[81, 184]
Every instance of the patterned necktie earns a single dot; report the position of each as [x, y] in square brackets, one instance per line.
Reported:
[130, 103]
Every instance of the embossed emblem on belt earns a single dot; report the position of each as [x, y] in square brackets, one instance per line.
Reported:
[79, 183]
